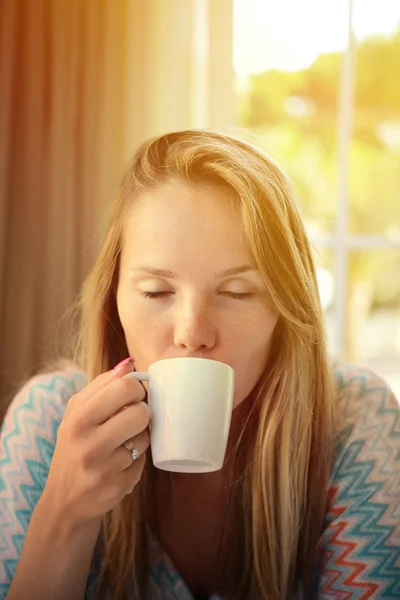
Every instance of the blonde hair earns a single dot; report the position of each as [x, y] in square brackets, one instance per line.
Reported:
[283, 455]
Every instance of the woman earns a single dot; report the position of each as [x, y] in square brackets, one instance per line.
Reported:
[206, 256]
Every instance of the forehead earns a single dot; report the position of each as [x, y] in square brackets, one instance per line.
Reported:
[176, 199]
[176, 219]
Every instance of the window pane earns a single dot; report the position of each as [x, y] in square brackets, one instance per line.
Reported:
[325, 265]
[374, 176]
[287, 75]
[373, 312]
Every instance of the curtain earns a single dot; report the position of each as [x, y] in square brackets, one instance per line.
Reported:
[82, 84]
[62, 77]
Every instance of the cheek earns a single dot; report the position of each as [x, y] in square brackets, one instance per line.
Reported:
[251, 360]
[142, 330]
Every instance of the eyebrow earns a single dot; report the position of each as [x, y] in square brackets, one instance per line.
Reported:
[171, 275]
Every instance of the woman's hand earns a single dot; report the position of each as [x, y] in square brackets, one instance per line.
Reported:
[91, 471]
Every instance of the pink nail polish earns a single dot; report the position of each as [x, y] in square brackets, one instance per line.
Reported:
[123, 363]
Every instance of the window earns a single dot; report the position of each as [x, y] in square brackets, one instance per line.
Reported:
[317, 86]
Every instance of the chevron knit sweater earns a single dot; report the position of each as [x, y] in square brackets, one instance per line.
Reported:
[359, 547]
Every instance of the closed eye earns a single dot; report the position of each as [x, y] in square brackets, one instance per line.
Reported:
[237, 296]
[155, 294]
[234, 295]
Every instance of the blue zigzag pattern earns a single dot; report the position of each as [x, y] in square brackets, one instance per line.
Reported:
[359, 548]
[28, 419]
[359, 492]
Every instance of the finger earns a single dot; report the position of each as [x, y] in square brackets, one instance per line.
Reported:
[101, 381]
[123, 426]
[122, 459]
[121, 483]
[106, 402]
[132, 475]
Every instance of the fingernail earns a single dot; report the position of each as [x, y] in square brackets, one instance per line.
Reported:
[123, 363]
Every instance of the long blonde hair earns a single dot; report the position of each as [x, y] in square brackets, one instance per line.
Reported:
[279, 488]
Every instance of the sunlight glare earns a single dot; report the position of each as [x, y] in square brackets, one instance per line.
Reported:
[289, 34]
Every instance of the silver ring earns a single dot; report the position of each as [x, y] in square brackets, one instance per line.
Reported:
[133, 451]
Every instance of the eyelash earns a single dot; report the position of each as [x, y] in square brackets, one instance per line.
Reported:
[158, 295]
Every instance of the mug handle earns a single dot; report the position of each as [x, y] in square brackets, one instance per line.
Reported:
[139, 375]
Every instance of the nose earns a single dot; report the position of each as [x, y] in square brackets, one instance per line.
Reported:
[194, 326]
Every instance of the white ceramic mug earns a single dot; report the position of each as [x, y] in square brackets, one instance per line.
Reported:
[191, 402]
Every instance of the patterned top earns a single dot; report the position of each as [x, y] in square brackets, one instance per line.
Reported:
[359, 547]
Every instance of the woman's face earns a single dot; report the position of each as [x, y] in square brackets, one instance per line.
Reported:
[188, 286]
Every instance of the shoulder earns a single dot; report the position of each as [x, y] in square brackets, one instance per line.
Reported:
[359, 384]
[57, 386]
[34, 415]
[46, 391]
[367, 440]
[29, 429]
[367, 410]
[360, 543]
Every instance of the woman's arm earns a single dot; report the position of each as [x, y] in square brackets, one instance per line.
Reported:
[359, 550]
[61, 560]
[57, 568]
[70, 473]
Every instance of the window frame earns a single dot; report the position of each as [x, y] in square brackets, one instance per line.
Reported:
[342, 242]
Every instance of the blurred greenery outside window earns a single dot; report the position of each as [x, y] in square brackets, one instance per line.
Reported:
[317, 86]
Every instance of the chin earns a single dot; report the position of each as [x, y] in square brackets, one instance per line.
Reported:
[243, 399]
[239, 402]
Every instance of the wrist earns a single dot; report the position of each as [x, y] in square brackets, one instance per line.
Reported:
[57, 524]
